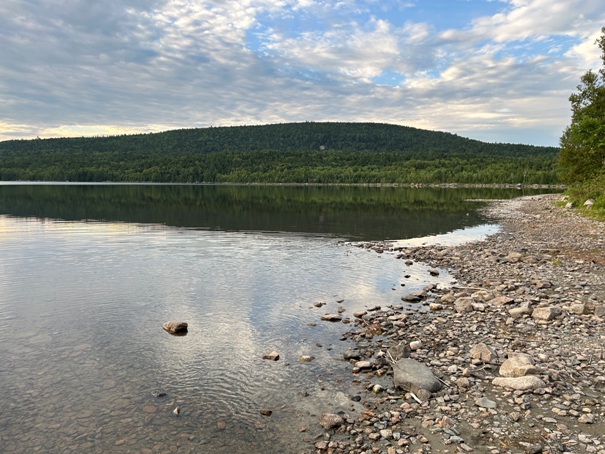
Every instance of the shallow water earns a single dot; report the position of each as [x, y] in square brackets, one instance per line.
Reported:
[81, 310]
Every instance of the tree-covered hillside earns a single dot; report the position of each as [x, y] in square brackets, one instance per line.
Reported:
[281, 153]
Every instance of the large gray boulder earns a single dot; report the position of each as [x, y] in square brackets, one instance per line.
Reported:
[411, 375]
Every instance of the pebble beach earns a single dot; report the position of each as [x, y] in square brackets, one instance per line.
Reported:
[516, 345]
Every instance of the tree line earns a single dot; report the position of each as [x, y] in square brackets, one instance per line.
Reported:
[282, 153]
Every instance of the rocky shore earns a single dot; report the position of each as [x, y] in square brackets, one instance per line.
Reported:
[517, 345]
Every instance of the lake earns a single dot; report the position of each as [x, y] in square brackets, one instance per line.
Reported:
[89, 273]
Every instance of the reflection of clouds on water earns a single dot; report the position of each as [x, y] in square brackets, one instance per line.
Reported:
[454, 238]
[111, 286]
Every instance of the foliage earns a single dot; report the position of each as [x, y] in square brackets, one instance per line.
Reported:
[282, 153]
[582, 155]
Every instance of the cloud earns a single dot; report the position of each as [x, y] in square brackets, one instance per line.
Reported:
[78, 68]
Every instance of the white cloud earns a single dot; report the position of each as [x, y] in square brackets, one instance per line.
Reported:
[76, 67]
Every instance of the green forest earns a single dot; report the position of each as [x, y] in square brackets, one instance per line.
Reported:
[315, 153]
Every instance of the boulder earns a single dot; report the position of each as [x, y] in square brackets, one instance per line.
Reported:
[518, 365]
[412, 375]
[175, 327]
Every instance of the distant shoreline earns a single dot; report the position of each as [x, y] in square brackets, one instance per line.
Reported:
[371, 185]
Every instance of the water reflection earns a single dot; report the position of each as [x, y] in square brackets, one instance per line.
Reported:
[81, 312]
[354, 213]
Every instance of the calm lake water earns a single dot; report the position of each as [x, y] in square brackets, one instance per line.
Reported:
[89, 273]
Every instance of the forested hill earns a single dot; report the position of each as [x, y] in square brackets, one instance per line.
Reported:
[288, 153]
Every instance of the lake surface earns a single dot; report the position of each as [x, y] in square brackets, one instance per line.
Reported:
[89, 273]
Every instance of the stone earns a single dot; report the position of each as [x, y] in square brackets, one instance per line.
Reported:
[330, 421]
[361, 365]
[350, 353]
[412, 375]
[398, 351]
[265, 412]
[332, 317]
[463, 305]
[359, 314]
[517, 312]
[546, 313]
[518, 365]
[576, 308]
[484, 402]
[414, 297]
[588, 204]
[175, 327]
[483, 353]
[306, 358]
[586, 419]
[415, 345]
[500, 301]
[271, 356]
[526, 383]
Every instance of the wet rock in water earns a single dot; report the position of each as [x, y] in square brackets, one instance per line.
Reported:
[434, 272]
[265, 412]
[331, 421]
[518, 365]
[306, 358]
[412, 375]
[350, 353]
[175, 327]
[221, 425]
[528, 382]
[414, 297]
[271, 356]
[176, 411]
[158, 394]
[332, 317]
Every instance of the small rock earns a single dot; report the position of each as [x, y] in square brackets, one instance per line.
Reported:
[331, 421]
[483, 353]
[586, 419]
[412, 375]
[546, 313]
[306, 358]
[484, 402]
[175, 327]
[332, 317]
[463, 305]
[525, 383]
[265, 412]
[271, 356]
[176, 411]
[518, 365]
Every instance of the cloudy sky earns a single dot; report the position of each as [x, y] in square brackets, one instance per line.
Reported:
[493, 70]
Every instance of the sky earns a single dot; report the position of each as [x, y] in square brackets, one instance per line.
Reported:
[492, 70]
